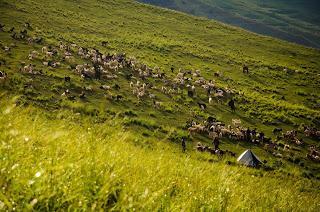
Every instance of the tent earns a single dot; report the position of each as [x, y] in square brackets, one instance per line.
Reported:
[248, 158]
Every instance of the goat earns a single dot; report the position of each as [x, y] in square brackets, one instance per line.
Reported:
[202, 106]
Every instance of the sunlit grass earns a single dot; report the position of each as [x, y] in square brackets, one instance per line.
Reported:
[70, 162]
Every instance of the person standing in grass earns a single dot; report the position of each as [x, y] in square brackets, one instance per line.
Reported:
[216, 143]
[183, 144]
[232, 105]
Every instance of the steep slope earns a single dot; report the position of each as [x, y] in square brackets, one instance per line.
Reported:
[60, 164]
[122, 152]
[295, 21]
[167, 39]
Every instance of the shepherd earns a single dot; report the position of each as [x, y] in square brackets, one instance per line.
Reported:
[183, 144]
[216, 143]
[231, 105]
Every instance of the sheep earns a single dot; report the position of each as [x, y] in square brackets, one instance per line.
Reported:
[202, 106]
[28, 68]
[65, 93]
[73, 45]
[27, 25]
[7, 49]
[131, 84]
[3, 76]
[286, 147]
[119, 97]
[236, 122]
[79, 68]
[89, 88]
[33, 55]
[192, 130]
[44, 50]
[239, 135]
[1, 27]
[69, 58]
[49, 54]
[190, 94]
[152, 96]
[277, 130]
[197, 73]
[217, 74]
[224, 132]
[55, 64]
[30, 41]
[82, 95]
[105, 87]
[164, 89]
[157, 105]
[67, 79]
[210, 100]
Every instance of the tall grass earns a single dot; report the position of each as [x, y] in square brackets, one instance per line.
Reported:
[70, 162]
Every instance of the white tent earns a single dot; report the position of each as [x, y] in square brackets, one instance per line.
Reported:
[248, 158]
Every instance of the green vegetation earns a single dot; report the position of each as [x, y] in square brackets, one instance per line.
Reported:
[99, 152]
[70, 161]
[292, 20]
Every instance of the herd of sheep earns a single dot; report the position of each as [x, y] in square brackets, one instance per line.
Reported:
[106, 67]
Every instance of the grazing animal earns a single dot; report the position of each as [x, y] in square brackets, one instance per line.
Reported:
[217, 74]
[85, 75]
[210, 100]
[211, 120]
[119, 97]
[117, 87]
[65, 93]
[38, 40]
[236, 122]
[6, 49]
[286, 147]
[200, 147]
[67, 79]
[82, 95]
[277, 130]
[3, 76]
[27, 25]
[152, 96]
[245, 69]
[190, 94]
[44, 50]
[104, 43]
[105, 87]
[202, 106]
[1, 27]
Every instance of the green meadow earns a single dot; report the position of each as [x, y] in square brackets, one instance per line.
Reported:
[99, 153]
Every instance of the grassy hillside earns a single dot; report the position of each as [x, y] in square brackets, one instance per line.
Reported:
[296, 21]
[68, 161]
[104, 152]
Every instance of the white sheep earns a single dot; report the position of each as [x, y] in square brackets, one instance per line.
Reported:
[44, 50]
[236, 122]
[49, 54]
